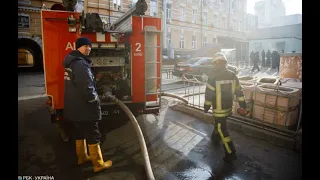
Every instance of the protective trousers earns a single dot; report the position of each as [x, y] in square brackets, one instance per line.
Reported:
[87, 130]
[221, 130]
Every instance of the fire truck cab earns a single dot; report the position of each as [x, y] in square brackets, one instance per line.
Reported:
[126, 58]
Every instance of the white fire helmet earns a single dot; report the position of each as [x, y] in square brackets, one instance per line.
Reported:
[219, 56]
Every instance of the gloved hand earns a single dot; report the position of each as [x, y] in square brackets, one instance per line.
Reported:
[242, 111]
[206, 108]
[243, 104]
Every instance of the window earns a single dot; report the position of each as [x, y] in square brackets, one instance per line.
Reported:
[168, 11]
[182, 41]
[24, 2]
[257, 46]
[153, 8]
[233, 4]
[214, 39]
[169, 43]
[224, 22]
[234, 25]
[23, 21]
[280, 46]
[208, 61]
[204, 41]
[116, 5]
[169, 40]
[194, 16]
[194, 42]
[183, 13]
[240, 26]
[205, 18]
[215, 20]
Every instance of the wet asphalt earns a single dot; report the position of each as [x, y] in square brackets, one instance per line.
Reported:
[179, 147]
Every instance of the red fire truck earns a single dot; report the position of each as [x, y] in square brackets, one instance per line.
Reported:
[126, 58]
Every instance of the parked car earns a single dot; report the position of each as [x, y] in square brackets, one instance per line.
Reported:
[200, 66]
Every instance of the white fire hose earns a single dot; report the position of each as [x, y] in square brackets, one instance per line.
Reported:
[137, 128]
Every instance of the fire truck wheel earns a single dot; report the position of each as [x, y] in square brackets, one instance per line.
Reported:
[65, 130]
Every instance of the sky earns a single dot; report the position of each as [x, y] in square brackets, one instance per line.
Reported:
[292, 6]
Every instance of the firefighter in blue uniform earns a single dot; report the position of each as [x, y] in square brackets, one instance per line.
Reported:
[221, 87]
[82, 105]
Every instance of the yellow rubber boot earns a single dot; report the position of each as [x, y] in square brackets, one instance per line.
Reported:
[81, 149]
[97, 159]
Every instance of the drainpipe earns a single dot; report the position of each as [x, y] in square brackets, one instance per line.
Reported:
[164, 24]
[85, 7]
[201, 11]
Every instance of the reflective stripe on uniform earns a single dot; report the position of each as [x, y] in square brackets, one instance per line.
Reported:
[210, 87]
[226, 81]
[95, 98]
[238, 87]
[241, 98]
[221, 114]
[218, 91]
[68, 69]
[224, 111]
[218, 96]
[66, 76]
[209, 103]
[233, 86]
[224, 139]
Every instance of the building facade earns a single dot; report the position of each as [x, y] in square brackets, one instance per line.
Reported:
[287, 20]
[191, 24]
[284, 39]
[267, 11]
[188, 25]
[252, 22]
[29, 22]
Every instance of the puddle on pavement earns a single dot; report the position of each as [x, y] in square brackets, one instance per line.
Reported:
[194, 174]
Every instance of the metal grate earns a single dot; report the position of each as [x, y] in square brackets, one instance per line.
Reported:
[152, 48]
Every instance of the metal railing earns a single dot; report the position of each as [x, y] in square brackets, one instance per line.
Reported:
[194, 89]
[168, 72]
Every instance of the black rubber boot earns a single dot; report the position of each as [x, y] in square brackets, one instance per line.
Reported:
[230, 157]
[216, 139]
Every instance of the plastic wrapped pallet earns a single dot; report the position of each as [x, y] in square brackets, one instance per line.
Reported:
[276, 117]
[248, 79]
[291, 65]
[272, 96]
[248, 89]
[268, 80]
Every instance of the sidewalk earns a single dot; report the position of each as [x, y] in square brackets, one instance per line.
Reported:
[31, 85]
[179, 147]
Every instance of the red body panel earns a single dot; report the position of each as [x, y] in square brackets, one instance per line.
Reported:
[55, 38]
[138, 57]
[58, 42]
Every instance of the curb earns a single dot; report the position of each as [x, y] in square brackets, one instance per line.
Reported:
[274, 138]
[22, 98]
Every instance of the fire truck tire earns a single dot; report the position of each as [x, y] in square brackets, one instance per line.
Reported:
[65, 131]
[36, 51]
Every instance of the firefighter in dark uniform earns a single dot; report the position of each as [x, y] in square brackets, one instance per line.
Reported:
[221, 87]
[82, 105]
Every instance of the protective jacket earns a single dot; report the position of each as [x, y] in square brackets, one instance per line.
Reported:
[81, 101]
[221, 87]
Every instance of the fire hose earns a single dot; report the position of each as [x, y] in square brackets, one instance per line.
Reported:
[137, 128]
